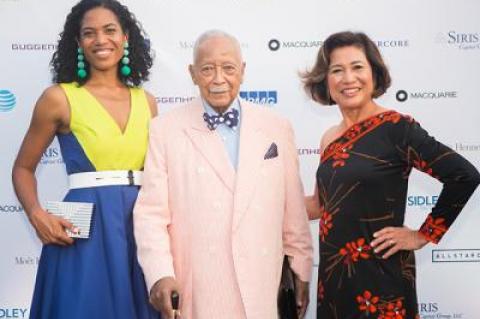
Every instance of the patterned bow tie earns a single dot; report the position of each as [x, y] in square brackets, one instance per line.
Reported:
[229, 118]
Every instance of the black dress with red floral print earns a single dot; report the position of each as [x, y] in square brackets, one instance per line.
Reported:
[362, 182]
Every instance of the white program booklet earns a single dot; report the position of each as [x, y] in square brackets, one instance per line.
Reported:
[79, 214]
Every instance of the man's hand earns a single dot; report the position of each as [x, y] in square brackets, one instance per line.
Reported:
[160, 295]
[302, 297]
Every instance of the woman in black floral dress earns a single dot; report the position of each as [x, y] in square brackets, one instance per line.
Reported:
[367, 266]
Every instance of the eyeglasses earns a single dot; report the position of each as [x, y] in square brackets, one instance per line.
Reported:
[208, 70]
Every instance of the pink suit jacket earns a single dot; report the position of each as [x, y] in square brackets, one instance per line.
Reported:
[222, 233]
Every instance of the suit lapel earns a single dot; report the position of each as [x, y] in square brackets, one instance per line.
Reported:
[253, 145]
[209, 144]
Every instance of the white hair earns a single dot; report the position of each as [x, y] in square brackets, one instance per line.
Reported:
[214, 33]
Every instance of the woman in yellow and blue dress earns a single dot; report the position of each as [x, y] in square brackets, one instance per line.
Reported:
[100, 117]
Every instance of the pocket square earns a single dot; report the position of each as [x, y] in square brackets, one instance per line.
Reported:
[272, 152]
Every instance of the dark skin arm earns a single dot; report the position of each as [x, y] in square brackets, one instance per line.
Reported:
[160, 297]
[302, 296]
[51, 115]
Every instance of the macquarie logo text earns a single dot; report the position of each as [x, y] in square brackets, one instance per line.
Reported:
[10, 208]
[403, 95]
[260, 97]
[275, 44]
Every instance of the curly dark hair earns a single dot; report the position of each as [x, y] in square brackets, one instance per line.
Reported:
[315, 80]
[64, 59]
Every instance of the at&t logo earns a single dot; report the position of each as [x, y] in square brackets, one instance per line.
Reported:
[7, 101]
[260, 97]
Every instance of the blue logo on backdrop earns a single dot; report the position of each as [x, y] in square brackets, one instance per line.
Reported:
[7, 101]
[422, 200]
[260, 97]
[13, 312]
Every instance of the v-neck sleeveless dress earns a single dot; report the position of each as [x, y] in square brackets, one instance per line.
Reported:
[362, 182]
[98, 277]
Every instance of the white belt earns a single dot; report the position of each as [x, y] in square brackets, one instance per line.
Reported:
[104, 178]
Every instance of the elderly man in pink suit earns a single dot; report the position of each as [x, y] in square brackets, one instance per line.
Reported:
[221, 201]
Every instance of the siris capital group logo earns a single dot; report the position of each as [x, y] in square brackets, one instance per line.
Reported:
[459, 39]
[52, 155]
[435, 310]
[7, 100]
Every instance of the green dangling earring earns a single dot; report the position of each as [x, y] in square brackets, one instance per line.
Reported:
[81, 72]
[125, 69]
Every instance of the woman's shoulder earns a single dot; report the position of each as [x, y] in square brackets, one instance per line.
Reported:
[329, 136]
[53, 97]
[52, 106]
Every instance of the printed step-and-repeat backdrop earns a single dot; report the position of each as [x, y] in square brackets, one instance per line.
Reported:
[432, 48]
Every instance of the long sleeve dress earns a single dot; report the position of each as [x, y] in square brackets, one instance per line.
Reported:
[362, 182]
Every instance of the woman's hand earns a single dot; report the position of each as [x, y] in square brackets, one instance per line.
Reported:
[50, 228]
[393, 239]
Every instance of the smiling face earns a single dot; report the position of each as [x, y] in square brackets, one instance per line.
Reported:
[102, 39]
[218, 71]
[349, 78]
